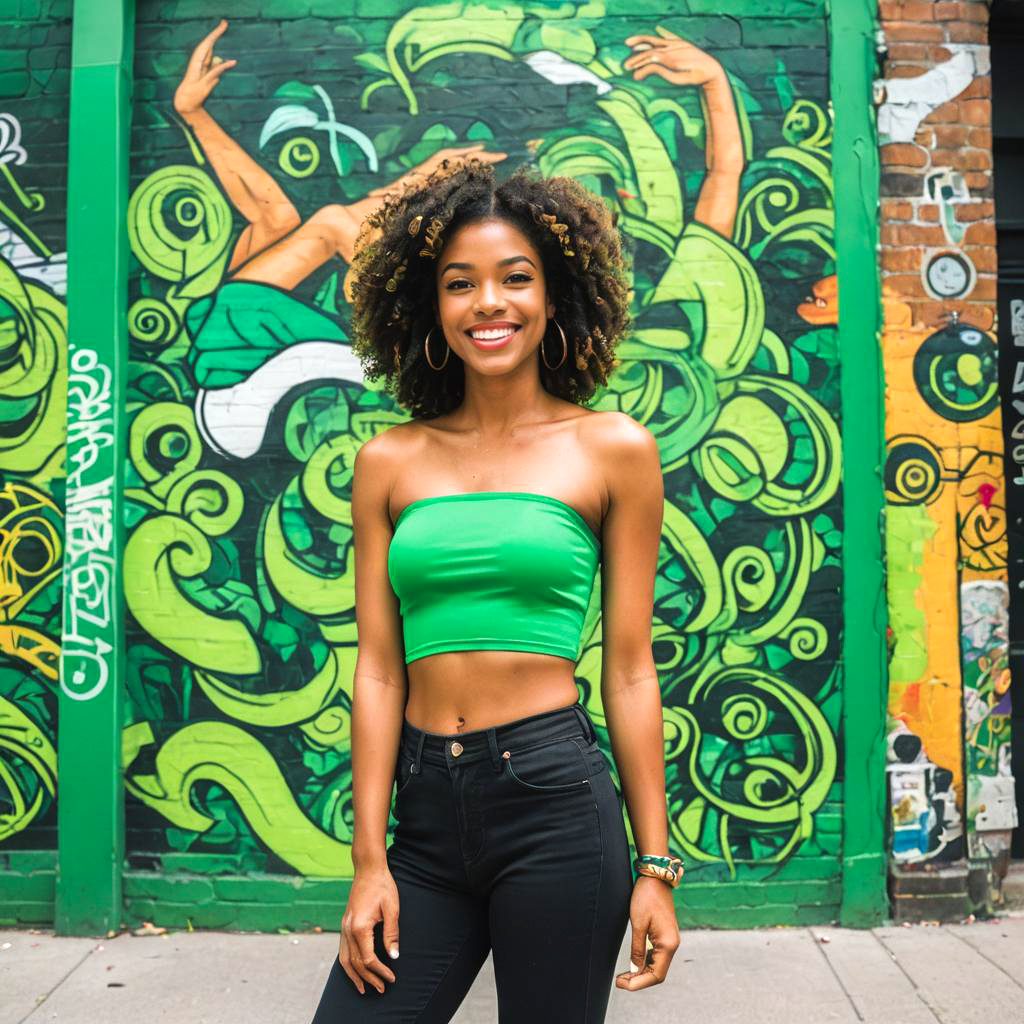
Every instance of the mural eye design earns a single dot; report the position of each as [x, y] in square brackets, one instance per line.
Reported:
[956, 372]
[299, 157]
[913, 472]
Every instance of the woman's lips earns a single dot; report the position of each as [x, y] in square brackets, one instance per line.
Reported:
[488, 345]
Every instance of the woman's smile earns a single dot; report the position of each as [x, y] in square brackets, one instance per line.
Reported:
[493, 335]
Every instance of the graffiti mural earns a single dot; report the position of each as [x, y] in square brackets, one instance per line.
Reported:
[247, 406]
[946, 542]
[33, 381]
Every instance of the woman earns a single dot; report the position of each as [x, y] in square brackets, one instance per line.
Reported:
[493, 311]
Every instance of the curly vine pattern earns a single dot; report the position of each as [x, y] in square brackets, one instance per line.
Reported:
[240, 573]
[33, 385]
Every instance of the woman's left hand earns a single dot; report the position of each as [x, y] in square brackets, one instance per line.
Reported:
[652, 914]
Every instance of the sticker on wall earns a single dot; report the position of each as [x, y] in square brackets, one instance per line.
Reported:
[947, 188]
[948, 274]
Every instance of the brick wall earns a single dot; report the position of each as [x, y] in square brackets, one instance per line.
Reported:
[946, 492]
[955, 135]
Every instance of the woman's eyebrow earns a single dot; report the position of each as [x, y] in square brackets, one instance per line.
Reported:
[501, 263]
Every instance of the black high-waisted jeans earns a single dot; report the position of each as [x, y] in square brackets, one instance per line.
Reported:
[514, 844]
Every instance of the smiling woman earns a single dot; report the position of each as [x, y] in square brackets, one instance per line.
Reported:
[474, 582]
[429, 255]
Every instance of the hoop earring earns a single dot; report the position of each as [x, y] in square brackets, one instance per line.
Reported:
[565, 347]
[426, 351]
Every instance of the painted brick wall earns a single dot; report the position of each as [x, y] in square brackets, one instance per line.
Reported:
[936, 47]
[949, 674]
[35, 42]
[273, 597]
[238, 569]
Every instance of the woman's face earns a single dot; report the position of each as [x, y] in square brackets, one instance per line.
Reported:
[492, 297]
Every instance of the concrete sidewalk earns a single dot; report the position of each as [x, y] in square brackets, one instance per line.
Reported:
[955, 974]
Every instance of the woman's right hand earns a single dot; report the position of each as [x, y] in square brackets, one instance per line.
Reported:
[202, 74]
[372, 898]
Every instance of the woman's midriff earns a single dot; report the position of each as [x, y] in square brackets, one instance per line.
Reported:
[462, 691]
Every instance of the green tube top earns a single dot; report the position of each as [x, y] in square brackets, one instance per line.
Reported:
[493, 571]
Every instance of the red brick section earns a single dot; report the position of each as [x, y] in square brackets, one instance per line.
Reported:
[919, 34]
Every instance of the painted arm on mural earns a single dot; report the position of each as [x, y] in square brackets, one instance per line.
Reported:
[682, 63]
[277, 247]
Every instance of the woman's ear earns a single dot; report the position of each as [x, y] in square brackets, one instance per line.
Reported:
[550, 309]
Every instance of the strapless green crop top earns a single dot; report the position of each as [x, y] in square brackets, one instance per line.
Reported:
[493, 571]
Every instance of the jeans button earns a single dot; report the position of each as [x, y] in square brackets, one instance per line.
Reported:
[456, 749]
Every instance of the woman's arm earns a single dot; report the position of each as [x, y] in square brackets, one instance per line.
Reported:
[677, 61]
[630, 692]
[380, 685]
[378, 708]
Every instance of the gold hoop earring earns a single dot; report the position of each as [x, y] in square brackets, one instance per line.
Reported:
[426, 351]
[565, 347]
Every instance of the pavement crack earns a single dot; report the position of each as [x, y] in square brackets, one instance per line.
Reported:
[835, 974]
[920, 995]
[42, 1002]
[985, 956]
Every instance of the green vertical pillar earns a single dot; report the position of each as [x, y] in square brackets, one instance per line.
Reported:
[90, 806]
[865, 678]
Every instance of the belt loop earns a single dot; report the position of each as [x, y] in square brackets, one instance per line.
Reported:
[492, 742]
[418, 758]
[588, 726]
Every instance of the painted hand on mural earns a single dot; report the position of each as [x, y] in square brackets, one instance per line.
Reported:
[452, 154]
[672, 57]
[202, 74]
[680, 62]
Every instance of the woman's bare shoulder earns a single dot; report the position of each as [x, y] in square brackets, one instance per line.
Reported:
[390, 446]
[380, 461]
[611, 428]
[621, 445]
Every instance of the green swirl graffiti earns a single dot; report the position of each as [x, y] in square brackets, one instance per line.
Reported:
[299, 157]
[760, 757]
[33, 376]
[240, 572]
[225, 754]
[28, 769]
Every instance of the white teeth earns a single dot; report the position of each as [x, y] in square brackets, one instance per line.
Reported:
[494, 335]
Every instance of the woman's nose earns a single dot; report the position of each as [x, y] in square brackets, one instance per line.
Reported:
[488, 296]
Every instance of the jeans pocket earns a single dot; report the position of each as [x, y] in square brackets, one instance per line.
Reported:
[404, 773]
[552, 766]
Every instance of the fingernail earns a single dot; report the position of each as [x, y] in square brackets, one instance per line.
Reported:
[393, 952]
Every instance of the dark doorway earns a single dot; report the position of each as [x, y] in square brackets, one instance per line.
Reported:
[1006, 35]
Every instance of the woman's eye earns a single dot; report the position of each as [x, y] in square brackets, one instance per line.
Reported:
[517, 278]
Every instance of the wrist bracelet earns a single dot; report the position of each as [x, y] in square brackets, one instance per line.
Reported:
[668, 869]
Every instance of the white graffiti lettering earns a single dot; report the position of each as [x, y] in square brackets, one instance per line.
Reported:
[89, 569]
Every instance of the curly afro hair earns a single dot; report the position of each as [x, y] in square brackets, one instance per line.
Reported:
[394, 285]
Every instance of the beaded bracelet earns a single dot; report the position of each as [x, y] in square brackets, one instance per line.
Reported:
[668, 869]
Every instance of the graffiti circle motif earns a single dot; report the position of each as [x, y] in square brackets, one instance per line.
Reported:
[955, 371]
[913, 472]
